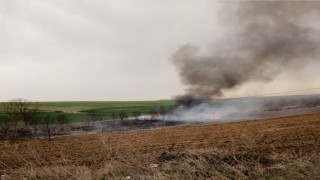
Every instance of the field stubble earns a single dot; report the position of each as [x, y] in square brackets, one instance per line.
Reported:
[286, 147]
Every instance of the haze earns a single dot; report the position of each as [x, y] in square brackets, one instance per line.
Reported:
[63, 50]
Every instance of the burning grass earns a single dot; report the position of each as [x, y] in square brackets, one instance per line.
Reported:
[273, 148]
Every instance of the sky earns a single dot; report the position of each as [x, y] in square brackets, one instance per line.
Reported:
[109, 50]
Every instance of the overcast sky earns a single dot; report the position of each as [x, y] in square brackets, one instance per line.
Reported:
[58, 50]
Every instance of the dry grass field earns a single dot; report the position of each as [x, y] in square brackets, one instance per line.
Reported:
[278, 148]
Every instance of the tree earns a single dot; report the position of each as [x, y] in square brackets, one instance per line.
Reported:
[20, 110]
[93, 116]
[114, 115]
[123, 115]
[136, 114]
[3, 127]
[154, 113]
[48, 120]
[162, 110]
[62, 119]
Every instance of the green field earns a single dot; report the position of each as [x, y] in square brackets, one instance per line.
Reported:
[77, 111]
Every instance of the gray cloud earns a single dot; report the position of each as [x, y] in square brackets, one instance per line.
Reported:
[101, 50]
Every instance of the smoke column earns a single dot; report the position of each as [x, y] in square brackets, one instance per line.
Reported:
[261, 39]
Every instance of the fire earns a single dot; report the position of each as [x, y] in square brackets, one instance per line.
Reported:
[215, 117]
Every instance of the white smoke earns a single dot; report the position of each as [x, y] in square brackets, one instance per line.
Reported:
[223, 111]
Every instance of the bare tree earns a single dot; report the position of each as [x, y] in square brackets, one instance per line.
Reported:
[62, 120]
[136, 114]
[123, 115]
[48, 120]
[154, 113]
[114, 115]
[20, 110]
[3, 127]
[92, 117]
[162, 110]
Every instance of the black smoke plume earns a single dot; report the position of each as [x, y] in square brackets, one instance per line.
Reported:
[261, 39]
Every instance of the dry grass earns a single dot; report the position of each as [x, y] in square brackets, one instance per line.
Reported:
[280, 148]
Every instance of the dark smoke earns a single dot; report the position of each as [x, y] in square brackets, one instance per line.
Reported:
[261, 40]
